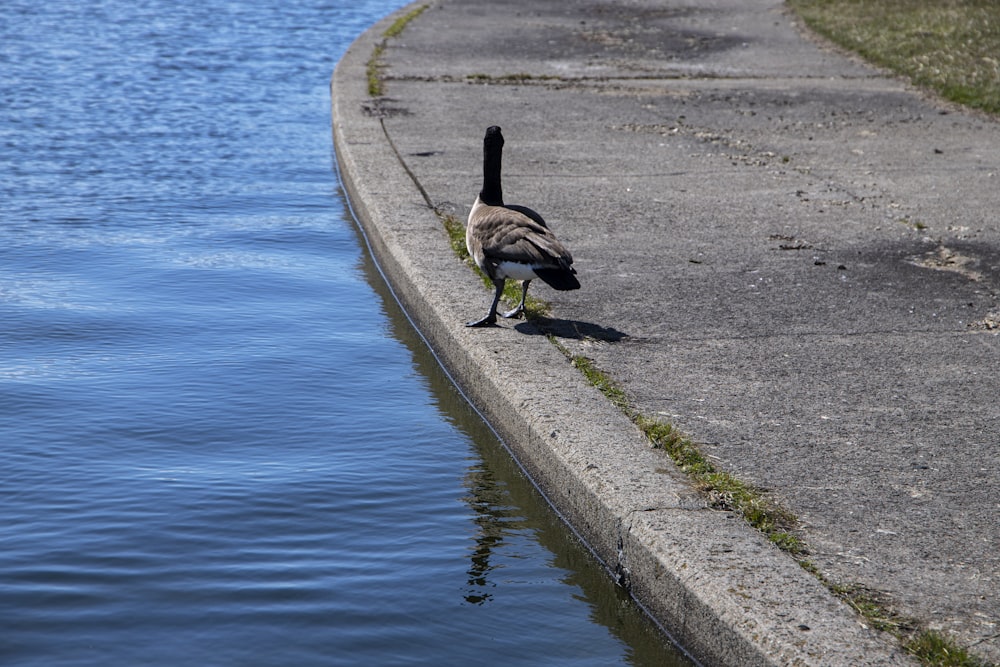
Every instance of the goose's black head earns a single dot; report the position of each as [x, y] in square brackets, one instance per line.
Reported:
[493, 139]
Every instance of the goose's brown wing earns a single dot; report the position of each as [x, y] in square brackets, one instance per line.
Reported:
[510, 235]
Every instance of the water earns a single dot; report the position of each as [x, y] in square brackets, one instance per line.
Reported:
[221, 442]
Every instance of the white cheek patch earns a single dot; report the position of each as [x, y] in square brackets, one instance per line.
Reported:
[516, 271]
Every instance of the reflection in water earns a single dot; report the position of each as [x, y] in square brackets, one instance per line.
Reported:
[507, 507]
[486, 497]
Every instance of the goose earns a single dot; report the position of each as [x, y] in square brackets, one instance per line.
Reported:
[510, 241]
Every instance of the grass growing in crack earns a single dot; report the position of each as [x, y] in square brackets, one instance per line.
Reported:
[374, 71]
[949, 47]
[374, 66]
[873, 608]
[932, 648]
[597, 378]
[456, 237]
[517, 77]
[512, 289]
[399, 25]
[725, 491]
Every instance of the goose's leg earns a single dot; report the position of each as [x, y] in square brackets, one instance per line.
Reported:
[520, 307]
[491, 317]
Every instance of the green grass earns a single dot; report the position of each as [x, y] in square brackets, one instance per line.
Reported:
[951, 47]
[869, 604]
[399, 25]
[456, 237]
[724, 491]
[374, 71]
[374, 67]
[516, 77]
[933, 649]
[598, 378]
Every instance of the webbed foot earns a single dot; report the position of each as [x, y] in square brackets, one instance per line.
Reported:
[488, 321]
[517, 312]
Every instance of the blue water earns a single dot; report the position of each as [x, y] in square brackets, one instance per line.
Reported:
[220, 441]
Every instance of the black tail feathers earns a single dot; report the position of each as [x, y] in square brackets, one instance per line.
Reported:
[560, 279]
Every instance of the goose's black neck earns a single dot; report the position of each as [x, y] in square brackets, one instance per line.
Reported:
[492, 193]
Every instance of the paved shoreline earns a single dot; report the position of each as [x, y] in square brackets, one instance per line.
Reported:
[790, 256]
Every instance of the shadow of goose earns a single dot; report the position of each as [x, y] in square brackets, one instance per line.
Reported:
[572, 329]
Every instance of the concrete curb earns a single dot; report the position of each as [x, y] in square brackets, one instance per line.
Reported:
[725, 594]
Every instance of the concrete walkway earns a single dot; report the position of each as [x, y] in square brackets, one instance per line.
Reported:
[790, 256]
